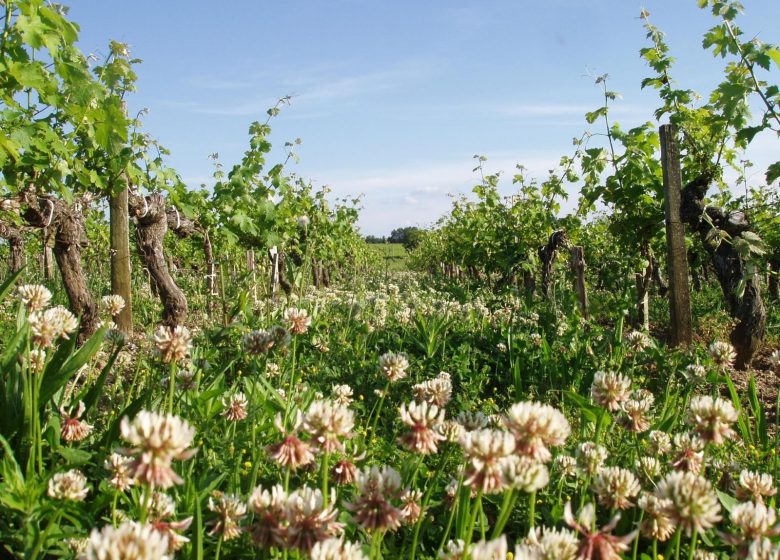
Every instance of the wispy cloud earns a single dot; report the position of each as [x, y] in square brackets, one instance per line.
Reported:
[311, 89]
[210, 82]
[434, 178]
[348, 87]
[552, 110]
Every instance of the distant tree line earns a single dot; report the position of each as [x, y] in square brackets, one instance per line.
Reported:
[409, 237]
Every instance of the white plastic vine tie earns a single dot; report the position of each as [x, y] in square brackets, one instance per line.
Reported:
[146, 208]
[178, 219]
[51, 212]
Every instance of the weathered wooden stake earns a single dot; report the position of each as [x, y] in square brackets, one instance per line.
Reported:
[578, 268]
[642, 281]
[121, 284]
[250, 265]
[211, 273]
[679, 292]
[48, 259]
[273, 252]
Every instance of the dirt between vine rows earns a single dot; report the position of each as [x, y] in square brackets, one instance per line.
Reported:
[767, 383]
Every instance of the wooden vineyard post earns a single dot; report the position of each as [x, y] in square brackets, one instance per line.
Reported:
[48, 257]
[273, 252]
[679, 292]
[211, 272]
[250, 265]
[642, 282]
[578, 268]
[120, 254]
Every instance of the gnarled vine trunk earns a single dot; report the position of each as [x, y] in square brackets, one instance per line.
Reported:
[729, 266]
[774, 280]
[642, 282]
[658, 278]
[694, 267]
[67, 222]
[283, 282]
[15, 245]
[529, 283]
[547, 255]
[151, 225]
[69, 238]
[315, 273]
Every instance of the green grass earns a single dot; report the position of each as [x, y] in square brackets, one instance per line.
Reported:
[393, 254]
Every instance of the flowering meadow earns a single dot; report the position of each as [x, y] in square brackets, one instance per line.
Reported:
[251, 380]
[392, 421]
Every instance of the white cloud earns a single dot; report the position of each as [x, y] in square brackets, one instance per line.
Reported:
[416, 194]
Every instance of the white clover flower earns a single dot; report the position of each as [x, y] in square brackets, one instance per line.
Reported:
[423, 419]
[591, 456]
[565, 465]
[755, 520]
[393, 366]
[297, 320]
[113, 304]
[436, 391]
[172, 343]
[130, 540]
[695, 373]
[485, 449]
[548, 544]
[230, 511]
[472, 420]
[722, 353]
[156, 440]
[235, 407]
[329, 422]
[657, 522]
[660, 443]
[34, 296]
[615, 487]
[495, 549]
[119, 468]
[47, 326]
[694, 503]
[524, 474]
[373, 506]
[73, 428]
[454, 550]
[69, 485]
[755, 486]
[712, 418]
[649, 468]
[342, 394]
[337, 549]
[536, 427]
[638, 341]
[610, 390]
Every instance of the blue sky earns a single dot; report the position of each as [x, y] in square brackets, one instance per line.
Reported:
[393, 98]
